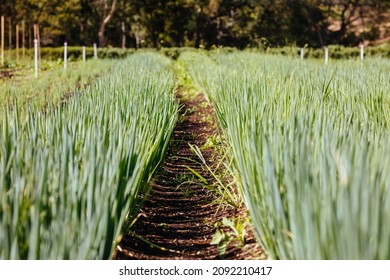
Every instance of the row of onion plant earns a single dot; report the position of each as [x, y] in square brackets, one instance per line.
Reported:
[70, 175]
[311, 146]
[53, 84]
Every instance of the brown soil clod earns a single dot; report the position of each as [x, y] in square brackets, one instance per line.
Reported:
[4, 74]
[177, 219]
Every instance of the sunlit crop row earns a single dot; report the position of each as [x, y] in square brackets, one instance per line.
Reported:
[53, 85]
[69, 175]
[311, 146]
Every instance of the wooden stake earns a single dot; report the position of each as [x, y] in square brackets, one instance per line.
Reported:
[39, 43]
[95, 51]
[2, 40]
[36, 57]
[84, 54]
[30, 37]
[326, 56]
[123, 28]
[65, 55]
[23, 40]
[17, 43]
[36, 36]
[9, 38]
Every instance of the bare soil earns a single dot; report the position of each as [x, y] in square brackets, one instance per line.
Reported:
[177, 220]
[6, 74]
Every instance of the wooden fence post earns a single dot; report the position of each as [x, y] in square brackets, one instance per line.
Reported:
[36, 36]
[36, 57]
[23, 40]
[39, 43]
[2, 40]
[84, 54]
[65, 54]
[17, 43]
[326, 56]
[95, 51]
[30, 37]
[9, 38]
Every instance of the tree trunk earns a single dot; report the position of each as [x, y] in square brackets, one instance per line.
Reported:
[123, 28]
[102, 37]
[198, 26]
[137, 39]
[319, 35]
[106, 20]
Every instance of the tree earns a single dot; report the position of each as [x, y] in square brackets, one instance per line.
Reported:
[106, 10]
[201, 23]
[350, 21]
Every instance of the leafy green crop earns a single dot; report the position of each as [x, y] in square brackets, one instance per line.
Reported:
[311, 146]
[52, 86]
[69, 177]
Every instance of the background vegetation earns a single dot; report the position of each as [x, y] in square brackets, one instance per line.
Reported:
[204, 23]
[310, 146]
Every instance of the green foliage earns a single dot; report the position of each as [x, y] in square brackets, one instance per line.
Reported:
[227, 232]
[54, 85]
[70, 176]
[335, 51]
[201, 24]
[76, 52]
[311, 149]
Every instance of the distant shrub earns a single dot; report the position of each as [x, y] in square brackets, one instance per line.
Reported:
[335, 52]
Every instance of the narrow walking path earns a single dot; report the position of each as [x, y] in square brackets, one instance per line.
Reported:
[177, 219]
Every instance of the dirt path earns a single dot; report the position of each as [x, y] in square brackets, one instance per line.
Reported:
[179, 215]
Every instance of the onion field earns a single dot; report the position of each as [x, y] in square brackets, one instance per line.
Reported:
[70, 176]
[311, 148]
[306, 146]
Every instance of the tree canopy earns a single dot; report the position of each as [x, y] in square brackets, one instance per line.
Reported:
[203, 23]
